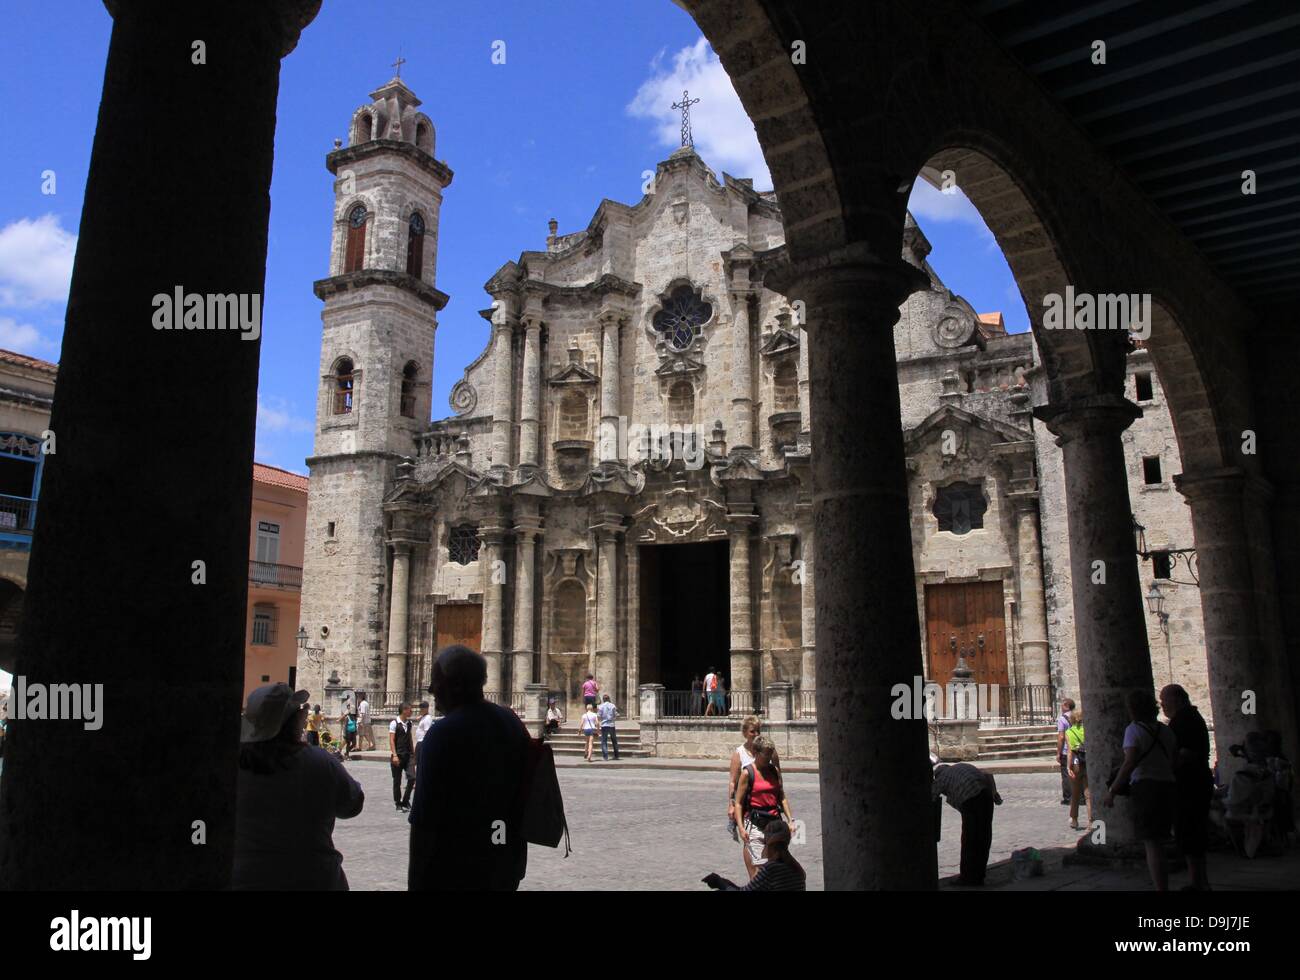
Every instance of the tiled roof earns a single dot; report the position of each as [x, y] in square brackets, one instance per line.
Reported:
[992, 324]
[22, 360]
[277, 477]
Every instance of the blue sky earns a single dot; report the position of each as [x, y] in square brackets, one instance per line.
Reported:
[578, 111]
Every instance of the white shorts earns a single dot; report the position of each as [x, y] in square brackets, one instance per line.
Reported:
[754, 843]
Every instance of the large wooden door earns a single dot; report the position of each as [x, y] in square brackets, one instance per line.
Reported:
[966, 611]
[461, 623]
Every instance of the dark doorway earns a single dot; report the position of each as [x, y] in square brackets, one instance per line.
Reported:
[685, 620]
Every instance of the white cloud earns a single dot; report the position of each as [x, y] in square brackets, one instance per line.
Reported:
[932, 204]
[23, 338]
[279, 417]
[35, 261]
[724, 137]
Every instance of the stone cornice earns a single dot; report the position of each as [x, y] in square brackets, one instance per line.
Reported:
[436, 169]
[338, 285]
[361, 454]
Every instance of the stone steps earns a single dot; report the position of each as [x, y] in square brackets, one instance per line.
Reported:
[1019, 742]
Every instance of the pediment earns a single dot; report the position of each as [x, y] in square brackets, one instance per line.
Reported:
[678, 366]
[780, 342]
[949, 416]
[573, 374]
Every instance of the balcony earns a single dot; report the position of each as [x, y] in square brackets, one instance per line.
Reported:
[271, 575]
[17, 514]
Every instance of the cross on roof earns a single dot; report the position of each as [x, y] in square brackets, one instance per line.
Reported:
[685, 106]
[398, 65]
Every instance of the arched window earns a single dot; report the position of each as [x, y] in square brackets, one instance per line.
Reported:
[364, 128]
[785, 387]
[415, 245]
[960, 507]
[343, 387]
[355, 256]
[408, 389]
[681, 317]
[681, 404]
[422, 136]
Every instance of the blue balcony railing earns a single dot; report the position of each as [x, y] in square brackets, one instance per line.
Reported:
[17, 514]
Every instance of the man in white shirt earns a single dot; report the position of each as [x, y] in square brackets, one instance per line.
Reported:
[421, 729]
[367, 733]
[710, 685]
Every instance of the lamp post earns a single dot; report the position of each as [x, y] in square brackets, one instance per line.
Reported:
[1156, 603]
[315, 654]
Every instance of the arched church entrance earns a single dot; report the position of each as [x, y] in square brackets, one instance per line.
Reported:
[684, 615]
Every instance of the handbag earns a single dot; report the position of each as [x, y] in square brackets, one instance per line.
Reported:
[1114, 773]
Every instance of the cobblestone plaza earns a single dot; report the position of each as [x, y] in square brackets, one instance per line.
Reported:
[661, 829]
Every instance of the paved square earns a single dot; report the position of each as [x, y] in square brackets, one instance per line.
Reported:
[657, 829]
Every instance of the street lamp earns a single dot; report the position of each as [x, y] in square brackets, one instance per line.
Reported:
[1156, 603]
[315, 654]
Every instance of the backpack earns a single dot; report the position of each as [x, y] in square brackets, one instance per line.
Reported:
[351, 725]
[540, 803]
[752, 769]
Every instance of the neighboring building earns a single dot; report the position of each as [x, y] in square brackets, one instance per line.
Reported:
[274, 576]
[528, 527]
[26, 396]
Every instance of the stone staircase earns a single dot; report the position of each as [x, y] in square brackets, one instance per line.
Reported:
[1035, 742]
[569, 743]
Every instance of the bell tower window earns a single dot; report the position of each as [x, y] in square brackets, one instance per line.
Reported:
[415, 246]
[343, 379]
[408, 389]
[355, 255]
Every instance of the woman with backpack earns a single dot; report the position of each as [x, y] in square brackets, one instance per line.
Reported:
[760, 799]
[1077, 768]
[1148, 775]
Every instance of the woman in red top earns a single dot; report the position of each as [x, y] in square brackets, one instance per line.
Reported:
[760, 799]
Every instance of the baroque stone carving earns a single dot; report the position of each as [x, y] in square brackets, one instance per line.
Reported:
[464, 398]
[954, 329]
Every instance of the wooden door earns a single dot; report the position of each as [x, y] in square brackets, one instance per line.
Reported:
[966, 611]
[460, 623]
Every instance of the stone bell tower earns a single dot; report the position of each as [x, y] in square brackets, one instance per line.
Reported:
[376, 365]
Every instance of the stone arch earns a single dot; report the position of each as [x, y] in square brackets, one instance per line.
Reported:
[363, 126]
[424, 133]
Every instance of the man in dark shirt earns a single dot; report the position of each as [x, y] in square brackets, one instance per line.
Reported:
[465, 823]
[1195, 785]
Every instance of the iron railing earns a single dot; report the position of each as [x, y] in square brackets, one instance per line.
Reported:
[999, 705]
[693, 704]
[805, 704]
[269, 573]
[17, 513]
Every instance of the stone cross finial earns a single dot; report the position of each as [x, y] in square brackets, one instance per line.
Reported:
[397, 66]
[685, 106]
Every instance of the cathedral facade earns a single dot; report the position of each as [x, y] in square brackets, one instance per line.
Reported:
[624, 487]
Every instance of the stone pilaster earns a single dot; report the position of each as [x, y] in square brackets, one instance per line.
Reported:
[742, 605]
[1109, 614]
[1235, 567]
[502, 388]
[1033, 607]
[527, 532]
[742, 373]
[609, 384]
[605, 659]
[876, 814]
[529, 414]
[808, 597]
[805, 403]
[492, 540]
[398, 617]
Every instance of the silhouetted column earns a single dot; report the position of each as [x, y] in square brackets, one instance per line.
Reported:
[1235, 567]
[529, 418]
[877, 819]
[527, 531]
[1109, 614]
[493, 605]
[176, 197]
[397, 619]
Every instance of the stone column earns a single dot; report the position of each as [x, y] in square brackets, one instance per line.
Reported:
[808, 601]
[1235, 568]
[805, 403]
[609, 386]
[742, 608]
[1109, 614]
[874, 773]
[502, 388]
[134, 242]
[490, 553]
[527, 531]
[529, 415]
[397, 617]
[742, 373]
[606, 656]
[1033, 608]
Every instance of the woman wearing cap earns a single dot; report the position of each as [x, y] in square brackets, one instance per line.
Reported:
[780, 872]
[289, 795]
